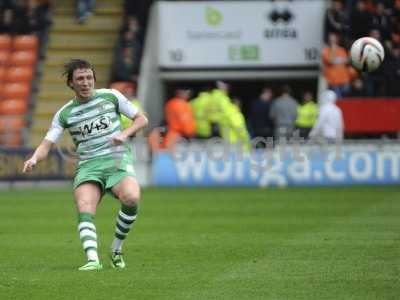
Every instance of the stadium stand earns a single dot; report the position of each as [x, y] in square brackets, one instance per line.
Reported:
[92, 40]
[23, 27]
[380, 19]
[18, 65]
[113, 40]
[370, 103]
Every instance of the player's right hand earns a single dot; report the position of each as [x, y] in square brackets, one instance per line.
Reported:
[29, 165]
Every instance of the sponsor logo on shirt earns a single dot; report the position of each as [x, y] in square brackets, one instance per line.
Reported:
[95, 126]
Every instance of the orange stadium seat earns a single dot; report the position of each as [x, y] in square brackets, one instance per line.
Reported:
[11, 130]
[5, 42]
[4, 57]
[2, 76]
[18, 90]
[13, 107]
[13, 139]
[23, 58]
[25, 42]
[19, 74]
[11, 123]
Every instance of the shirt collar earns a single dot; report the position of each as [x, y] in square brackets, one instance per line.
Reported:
[94, 95]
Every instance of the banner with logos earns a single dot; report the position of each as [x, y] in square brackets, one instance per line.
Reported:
[229, 34]
[292, 166]
[57, 166]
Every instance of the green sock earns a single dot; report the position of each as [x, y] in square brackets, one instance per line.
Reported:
[125, 219]
[88, 236]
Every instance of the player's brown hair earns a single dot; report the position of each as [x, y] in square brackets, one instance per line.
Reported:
[75, 64]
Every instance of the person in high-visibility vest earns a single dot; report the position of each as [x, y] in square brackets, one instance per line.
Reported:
[228, 116]
[126, 122]
[199, 108]
[236, 130]
[218, 108]
[129, 92]
[307, 114]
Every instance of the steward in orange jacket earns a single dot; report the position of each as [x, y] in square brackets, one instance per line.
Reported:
[179, 118]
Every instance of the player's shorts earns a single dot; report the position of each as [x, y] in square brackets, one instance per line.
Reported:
[107, 171]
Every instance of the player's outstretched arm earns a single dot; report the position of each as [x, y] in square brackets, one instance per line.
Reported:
[140, 121]
[40, 153]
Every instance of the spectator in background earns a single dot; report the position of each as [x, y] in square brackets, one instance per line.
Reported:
[396, 9]
[361, 20]
[260, 122]
[330, 123]
[393, 73]
[25, 17]
[336, 19]
[335, 66]
[40, 20]
[20, 20]
[235, 130]
[41, 14]
[131, 24]
[217, 108]
[130, 93]
[84, 9]
[375, 82]
[218, 116]
[139, 9]
[283, 114]
[124, 68]
[357, 88]
[6, 17]
[127, 53]
[395, 34]
[199, 107]
[381, 20]
[179, 118]
[307, 114]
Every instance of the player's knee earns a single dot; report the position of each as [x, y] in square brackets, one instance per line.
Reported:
[130, 198]
[85, 204]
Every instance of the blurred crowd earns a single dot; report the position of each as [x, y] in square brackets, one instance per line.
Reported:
[273, 117]
[128, 49]
[24, 16]
[27, 17]
[346, 21]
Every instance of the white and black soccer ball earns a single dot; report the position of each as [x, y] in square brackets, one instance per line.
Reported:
[367, 54]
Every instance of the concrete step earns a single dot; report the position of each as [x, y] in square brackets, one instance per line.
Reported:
[95, 24]
[96, 57]
[105, 64]
[48, 107]
[99, 3]
[51, 93]
[78, 41]
[42, 122]
[104, 7]
[51, 78]
[62, 88]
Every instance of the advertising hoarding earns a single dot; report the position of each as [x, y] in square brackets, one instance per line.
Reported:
[235, 34]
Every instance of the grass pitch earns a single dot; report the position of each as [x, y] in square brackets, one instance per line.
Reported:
[336, 243]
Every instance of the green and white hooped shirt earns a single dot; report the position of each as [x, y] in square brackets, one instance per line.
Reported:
[93, 124]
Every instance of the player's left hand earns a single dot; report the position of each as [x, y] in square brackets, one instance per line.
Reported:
[119, 139]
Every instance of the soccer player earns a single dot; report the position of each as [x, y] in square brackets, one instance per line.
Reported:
[105, 159]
